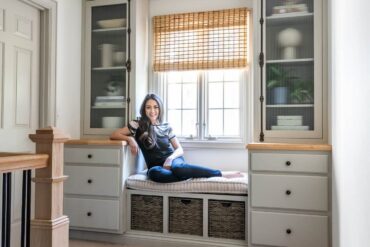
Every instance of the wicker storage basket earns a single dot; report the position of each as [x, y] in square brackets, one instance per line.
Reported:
[226, 219]
[147, 213]
[186, 216]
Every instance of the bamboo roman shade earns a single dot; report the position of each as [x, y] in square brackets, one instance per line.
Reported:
[201, 40]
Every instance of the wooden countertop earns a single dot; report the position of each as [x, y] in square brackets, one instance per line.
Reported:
[101, 142]
[288, 146]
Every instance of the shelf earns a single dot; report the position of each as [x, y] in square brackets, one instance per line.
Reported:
[300, 60]
[289, 18]
[108, 107]
[108, 68]
[109, 30]
[290, 106]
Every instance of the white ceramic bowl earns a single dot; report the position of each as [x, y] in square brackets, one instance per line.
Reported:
[112, 122]
[113, 23]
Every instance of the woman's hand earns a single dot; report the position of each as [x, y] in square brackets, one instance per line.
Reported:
[133, 146]
[167, 164]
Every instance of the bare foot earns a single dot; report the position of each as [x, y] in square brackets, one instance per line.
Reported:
[232, 175]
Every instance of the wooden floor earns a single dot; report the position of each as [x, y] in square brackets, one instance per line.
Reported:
[79, 243]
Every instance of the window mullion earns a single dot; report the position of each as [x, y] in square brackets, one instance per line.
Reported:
[201, 106]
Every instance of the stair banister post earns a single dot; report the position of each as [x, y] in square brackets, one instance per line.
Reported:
[49, 228]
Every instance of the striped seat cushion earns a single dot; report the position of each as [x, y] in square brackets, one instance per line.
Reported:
[217, 185]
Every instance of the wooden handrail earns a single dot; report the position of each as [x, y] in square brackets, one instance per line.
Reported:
[10, 162]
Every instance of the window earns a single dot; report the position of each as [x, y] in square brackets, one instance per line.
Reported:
[205, 105]
[200, 59]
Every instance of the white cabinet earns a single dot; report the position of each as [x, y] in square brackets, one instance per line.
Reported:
[289, 196]
[291, 73]
[111, 59]
[94, 191]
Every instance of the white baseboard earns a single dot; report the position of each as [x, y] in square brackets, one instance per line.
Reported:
[148, 240]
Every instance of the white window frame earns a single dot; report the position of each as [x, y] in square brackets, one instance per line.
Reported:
[159, 86]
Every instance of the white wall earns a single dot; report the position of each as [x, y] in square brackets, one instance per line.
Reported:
[350, 59]
[68, 81]
[220, 158]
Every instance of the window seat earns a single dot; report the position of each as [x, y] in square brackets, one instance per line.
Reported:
[214, 185]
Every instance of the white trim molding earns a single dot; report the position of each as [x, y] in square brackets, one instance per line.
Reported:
[48, 48]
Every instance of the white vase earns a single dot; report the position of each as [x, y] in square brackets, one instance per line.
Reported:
[106, 55]
[289, 39]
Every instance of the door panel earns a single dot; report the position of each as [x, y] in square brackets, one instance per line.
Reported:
[19, 89]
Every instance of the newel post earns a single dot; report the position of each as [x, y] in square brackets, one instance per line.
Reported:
[49, 228]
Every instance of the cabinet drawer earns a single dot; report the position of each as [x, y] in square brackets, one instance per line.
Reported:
[86, 180]
[288, 191]
[93, 213]
[92, 155]
[317, 163]
[279, 229]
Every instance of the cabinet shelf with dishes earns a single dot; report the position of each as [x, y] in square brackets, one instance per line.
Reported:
[106, 74]
[291, 71]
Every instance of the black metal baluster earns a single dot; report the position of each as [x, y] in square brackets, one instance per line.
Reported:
[26, 209]
[28, 219]
[6, 212]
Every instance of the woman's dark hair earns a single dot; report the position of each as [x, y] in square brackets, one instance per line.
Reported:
[148, 137]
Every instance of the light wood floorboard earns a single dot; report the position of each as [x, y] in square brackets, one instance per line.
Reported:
[80, 243]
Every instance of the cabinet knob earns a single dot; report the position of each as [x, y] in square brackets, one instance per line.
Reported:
[89, 156]
[288, 192]
[89, 214]
[288, 231]
[89, 181]
[288, 163]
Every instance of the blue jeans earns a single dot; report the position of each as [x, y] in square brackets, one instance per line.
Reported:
[180, 170]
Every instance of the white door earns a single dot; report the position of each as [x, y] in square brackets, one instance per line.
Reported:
[19, 88]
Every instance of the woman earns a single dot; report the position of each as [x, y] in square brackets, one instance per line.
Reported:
[161, 149]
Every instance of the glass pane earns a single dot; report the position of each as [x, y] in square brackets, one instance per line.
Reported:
[231, 95]
[189, 99]
[173, 77]
[215, 95]
[190, 76]
[232, 122]
[108, 74]
[215, 75]
[232, 75]
[174, 96]
[290, 65]
[174, 119]
[215, 122]
[189, 120]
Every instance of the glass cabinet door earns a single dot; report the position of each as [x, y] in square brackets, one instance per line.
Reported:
[292, 72]
[106, 75]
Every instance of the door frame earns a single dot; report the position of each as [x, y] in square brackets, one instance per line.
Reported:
[48, 48]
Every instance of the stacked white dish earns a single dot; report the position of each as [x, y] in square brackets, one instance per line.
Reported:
[289, 123]
[109, 101]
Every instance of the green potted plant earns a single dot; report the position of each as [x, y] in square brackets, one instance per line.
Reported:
[301, 92]
[279, 80]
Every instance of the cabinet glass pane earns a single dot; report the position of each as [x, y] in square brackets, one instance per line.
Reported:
[289, 67]
[108, 66]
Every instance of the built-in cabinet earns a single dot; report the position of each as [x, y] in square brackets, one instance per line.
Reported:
[110, 59]
[94, 198]
[290, 82]
[289, 195]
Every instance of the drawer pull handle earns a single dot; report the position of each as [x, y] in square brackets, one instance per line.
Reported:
[288, 231]
[288, 192]
[89, 156]
[89, 214]
[226, 204]
[89, 181]
[185, 201]
[288, 163]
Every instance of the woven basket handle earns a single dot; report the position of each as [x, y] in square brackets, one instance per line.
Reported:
[226, 204]
[185, 201]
